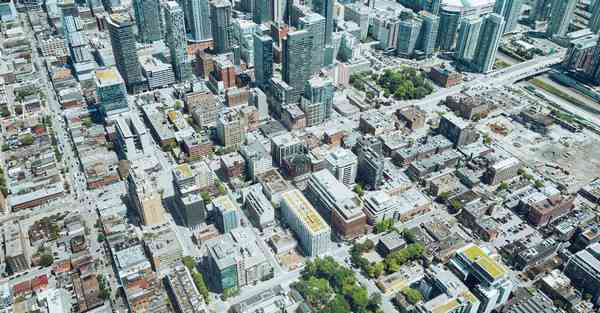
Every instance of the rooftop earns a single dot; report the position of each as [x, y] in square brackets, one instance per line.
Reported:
[305, 211]
[477, 256]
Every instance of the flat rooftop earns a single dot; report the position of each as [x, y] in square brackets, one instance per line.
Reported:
[305, 211]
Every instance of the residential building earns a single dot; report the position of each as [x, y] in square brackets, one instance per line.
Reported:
[443, 292]
[370, 168]
[468, 36]
[132, 140]
[429, 32]
[408, 34]
[163, 248]
[315, 25]
[560, 17]
[306, 223]
[449, 22]
[359, 14]
[510, 10]
[489, 40]
[502, 170]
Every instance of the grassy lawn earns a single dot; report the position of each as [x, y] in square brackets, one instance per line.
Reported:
[557, 92]
[500, 64]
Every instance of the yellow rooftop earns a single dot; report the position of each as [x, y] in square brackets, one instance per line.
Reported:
[224, 203]
[184, 170]
[476, 255]
[107, 76]
[446, 307]
[305, 211]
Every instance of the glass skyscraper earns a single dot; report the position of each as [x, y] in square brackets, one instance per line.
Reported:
[176, 40]
[297, 61]
[199, 20]
[489, 39]
[263, 60]
[220, 18]
[147, 17]
[122, 39]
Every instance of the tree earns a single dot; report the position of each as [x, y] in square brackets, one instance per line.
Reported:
[376, 269]
[316, 291]
[359, 299]
[46, 260]
[487, 140]
[206, 197]
[189, 262]
[409, 235]
[101, 237]
[413, 296]
[27, 139]
[384, 225]
[200, 285]
[358, 188]
[503, 186]
[456, 205]
[5, 147]
[337, 305]
[539, 184]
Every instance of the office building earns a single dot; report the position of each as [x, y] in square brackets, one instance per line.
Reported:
[157, 73]
[325, 9]
[122, 39]
[408, 33]
[317, 101]
[263, 60]
[583, 268]
[343, 164]
[594, 23]
[560, 17]
[230, 130]
[443, 292]
[380, 205]
[227, 214]
[189, 181]
[260, 210]
[145, 194]
[236, 259]
[315, 25]
[132, 140]
[258, 160]
[370, 168]
[457, 130]
[449, 22]
[243, 34]
[148, 20]
[199, 20]
[176, 40]
[472, 263]
[221, 27]
[429, 32]
[297, 61]
[510, 10]
[111, 94]
[468, 37]
[262, 11]
[359, 14]
[183, 292]
[16, 249]
[540, 10]
[302, 218]
[502, 170]
[259, 99]
[384, 28]
[284, 146]
[337, 203]
[489, 40]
